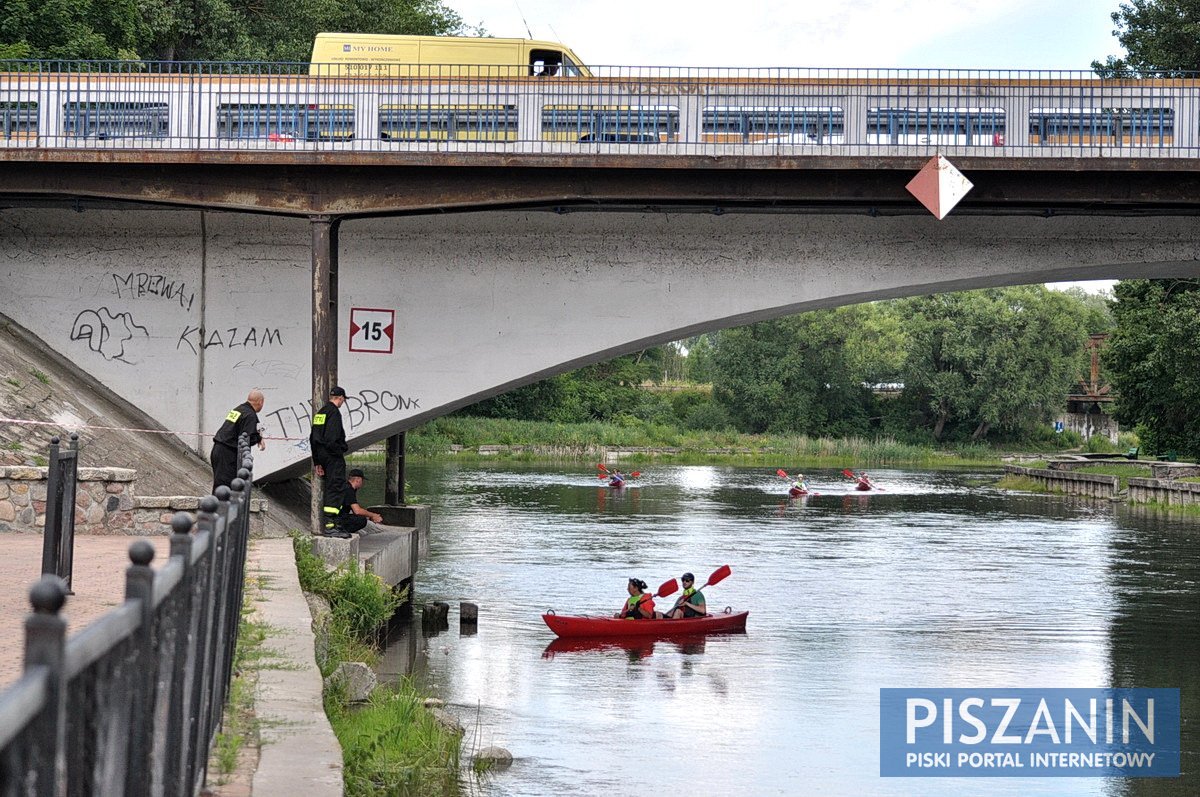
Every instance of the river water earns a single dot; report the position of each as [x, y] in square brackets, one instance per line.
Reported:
[936, 581]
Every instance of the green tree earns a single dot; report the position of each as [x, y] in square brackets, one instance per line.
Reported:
[1158, 36]
[1153, 362]
[210, 30]
[997, 359]
[71, 29]
[792, 375]
[599, 392]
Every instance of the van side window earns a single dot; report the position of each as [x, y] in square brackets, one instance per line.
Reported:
[545, 63]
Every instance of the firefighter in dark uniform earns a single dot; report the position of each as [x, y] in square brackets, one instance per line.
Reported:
[354, 515]
[242, 418]
[328, 444]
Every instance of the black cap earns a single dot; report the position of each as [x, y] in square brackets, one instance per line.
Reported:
[356, 472]
[337, 390]
[688, 577]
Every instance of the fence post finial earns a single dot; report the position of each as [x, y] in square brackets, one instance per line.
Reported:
[45, 646]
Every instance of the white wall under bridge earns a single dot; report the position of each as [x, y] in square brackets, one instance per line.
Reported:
[182, 311]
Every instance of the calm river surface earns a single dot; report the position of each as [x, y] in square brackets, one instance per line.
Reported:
[935, 582]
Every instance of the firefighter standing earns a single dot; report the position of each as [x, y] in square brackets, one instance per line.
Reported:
[328, 444]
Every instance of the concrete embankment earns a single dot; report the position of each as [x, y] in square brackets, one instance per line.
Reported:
[1061, 477]
[1093, 485]
[1164, 491]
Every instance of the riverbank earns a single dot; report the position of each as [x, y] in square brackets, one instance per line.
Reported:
[637, 441]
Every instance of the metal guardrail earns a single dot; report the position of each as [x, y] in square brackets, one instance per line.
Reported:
[130, 705]
[58, 534]
[625, 110]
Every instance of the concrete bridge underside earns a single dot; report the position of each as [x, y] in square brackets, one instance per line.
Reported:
[181, 311]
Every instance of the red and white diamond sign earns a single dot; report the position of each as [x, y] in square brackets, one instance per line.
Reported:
[371, 329]
[939, 186]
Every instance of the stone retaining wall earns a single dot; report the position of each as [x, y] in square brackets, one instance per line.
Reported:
[1164, 491]
[1093, 485]
[105, 503]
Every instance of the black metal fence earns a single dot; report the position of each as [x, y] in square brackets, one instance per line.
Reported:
[58, 538]
[130, 705]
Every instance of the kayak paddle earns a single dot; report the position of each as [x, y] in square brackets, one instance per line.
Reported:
[718, 575]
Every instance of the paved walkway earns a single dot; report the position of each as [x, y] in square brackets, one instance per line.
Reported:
[98, 579]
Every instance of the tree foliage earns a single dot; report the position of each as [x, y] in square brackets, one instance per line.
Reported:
[1159, 36]
[792, 375]
[993, 359]
[1154, 363]
[600, 392]
[211, 30]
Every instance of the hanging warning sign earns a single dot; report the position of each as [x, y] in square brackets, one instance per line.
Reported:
[371, 329]
[939, 186]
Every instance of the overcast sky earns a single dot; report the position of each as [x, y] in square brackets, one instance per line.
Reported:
[957, 34]
[987, 34]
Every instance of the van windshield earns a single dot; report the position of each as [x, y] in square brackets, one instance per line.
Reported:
[569, 68]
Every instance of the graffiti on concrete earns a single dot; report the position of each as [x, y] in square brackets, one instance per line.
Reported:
[277, 368]
[197, 338]
[363, 407]
[106, 333]
[139, 285]
[360, 408]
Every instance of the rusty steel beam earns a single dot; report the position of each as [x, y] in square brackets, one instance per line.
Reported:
[351, 191]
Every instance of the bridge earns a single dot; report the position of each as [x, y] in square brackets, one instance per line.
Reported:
[165, 226]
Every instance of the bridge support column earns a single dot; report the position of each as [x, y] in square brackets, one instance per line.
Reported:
[324, 330]
[393, 485]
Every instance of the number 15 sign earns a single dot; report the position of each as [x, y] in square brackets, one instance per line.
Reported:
[371, 329]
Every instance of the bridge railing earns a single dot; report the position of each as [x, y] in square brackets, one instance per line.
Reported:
[621, 110]
[130, 705]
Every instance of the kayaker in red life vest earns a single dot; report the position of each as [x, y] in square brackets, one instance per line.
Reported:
[864, 483]
[691, 603]
[639, 605]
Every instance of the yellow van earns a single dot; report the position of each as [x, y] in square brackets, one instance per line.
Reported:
[379, 55]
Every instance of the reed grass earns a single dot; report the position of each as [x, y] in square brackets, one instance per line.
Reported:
[641, 440]
[394, 746]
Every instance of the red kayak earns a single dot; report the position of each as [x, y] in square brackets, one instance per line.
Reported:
[566, 626]
[794, 493]
[862, 486]
[613, 481]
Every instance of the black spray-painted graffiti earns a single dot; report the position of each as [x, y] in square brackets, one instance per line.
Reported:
[105, 333]
[139, 284]
[197, 338]
[360, 408]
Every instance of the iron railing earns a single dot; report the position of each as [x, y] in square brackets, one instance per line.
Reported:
[131, 704]
[58, 535]
[624, 110]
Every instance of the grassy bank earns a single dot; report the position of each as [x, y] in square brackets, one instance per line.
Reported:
[533, 440]
[392, 745]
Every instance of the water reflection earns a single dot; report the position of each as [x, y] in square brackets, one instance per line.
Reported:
[934, 581]
[636, 647]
